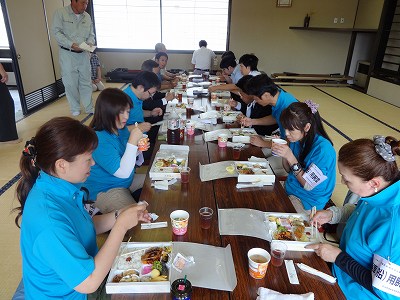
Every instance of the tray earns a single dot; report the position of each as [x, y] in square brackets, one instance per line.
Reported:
[290, 226]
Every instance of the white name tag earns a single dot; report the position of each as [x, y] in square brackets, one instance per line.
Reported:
[314, 176]
[386, 276]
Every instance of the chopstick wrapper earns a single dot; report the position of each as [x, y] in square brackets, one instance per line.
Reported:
[313, 271]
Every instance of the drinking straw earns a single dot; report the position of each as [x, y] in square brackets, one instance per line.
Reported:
[184, 279]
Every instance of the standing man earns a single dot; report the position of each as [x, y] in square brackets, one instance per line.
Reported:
[202, 58]
[72, 26]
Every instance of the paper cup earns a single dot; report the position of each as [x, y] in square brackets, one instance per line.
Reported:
[278, 141]
[222, 140]
[143, 142]
[179, 221]
[258, 262]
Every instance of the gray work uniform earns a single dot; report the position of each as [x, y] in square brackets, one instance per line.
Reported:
[75, 67]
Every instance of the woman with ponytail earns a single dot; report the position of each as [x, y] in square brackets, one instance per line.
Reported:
[367, 262]
[60, 258]
[310, 158]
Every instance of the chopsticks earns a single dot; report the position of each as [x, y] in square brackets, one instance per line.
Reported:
[126, 245]
[313, 228]
[154, 225]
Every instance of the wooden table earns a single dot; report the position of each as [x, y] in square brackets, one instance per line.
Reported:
[222, 193]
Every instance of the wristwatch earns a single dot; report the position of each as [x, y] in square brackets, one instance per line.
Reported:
[295, 168]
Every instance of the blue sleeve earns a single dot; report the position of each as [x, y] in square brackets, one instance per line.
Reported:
[66, 256]
[107, 156]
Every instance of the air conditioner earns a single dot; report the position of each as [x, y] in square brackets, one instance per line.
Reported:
[361, 75]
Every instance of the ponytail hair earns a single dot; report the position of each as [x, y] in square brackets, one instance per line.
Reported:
[59, 138]
[296, 116]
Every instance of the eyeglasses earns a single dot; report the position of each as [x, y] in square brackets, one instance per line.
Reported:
[150, 94]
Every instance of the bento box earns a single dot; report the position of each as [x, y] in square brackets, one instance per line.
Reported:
[168, 162]
[292, 229]
[141, 268]
[242, 135]
[230, 116]
[205, 266]
[254, 172]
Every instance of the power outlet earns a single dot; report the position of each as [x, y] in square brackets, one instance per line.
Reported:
[341, 20]
[335, 20]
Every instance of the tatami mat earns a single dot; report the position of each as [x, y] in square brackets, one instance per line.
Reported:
[383, 111]
[342, 117]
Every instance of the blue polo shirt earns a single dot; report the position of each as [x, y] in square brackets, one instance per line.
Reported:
[323, 155]
[284, 100]
[373, 228]
[58, 240]
[108, 156]
[136, 113]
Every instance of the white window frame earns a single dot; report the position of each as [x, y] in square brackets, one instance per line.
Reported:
[161, 22]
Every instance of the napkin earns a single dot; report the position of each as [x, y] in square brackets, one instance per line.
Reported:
[231, 144]
[259, 159]
[267, 294]
[313, 271]
[163, 184]
[249, 185]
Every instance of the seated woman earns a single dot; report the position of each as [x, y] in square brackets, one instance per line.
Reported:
[60, 258]
[368, 250]
[310, 158]
[112, 179]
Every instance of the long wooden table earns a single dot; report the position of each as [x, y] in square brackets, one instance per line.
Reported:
[222, 193]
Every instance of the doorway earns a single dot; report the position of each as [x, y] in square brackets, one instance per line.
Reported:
[6, 61]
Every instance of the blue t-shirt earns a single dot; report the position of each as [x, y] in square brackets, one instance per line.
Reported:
[323, 155]
[284, 100]
[373, 228]
[58, 240]
[107, 157]
[136, 113]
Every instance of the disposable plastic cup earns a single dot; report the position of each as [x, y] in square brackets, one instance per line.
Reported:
[258, 262]
[185, 171]
[206, 215]
[179, 221]
[236, 152]
[278, 251]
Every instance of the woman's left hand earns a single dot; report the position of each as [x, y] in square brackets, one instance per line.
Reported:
[325, 251]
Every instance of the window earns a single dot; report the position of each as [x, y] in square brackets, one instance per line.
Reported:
[3, 32]
[179, 24]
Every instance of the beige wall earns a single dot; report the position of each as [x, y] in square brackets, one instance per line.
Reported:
[369, 14]
[259, 27]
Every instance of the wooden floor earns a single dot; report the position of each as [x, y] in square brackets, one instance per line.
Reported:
[347, 115]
